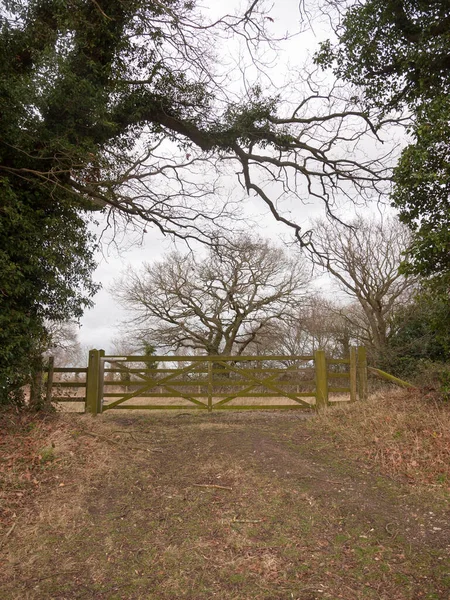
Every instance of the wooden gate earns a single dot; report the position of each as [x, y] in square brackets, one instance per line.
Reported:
[221, 382]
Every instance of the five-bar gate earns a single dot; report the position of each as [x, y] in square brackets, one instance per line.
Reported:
[222, 382]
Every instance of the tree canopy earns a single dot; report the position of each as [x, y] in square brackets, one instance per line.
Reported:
[398, 53]
[420, 335]
[396, 50]
[46, 261]
[124, 104]
[364, 260]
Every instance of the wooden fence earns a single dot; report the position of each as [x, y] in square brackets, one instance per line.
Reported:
[209, 382]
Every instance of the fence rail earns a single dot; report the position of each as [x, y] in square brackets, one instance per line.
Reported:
[59, 384]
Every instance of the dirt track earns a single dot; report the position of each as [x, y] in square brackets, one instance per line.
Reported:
[227, 506]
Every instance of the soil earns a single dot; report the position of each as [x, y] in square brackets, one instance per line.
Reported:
[234, 506]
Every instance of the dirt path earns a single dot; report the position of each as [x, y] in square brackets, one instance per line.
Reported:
[227, 506]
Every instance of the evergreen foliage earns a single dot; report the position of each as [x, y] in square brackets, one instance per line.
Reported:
[420, 334]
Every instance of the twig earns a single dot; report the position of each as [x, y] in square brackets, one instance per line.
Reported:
[34, 580]
[101, 11]
[128, 433]
[247, 520]
[8, 533]
[122, 515]
[102, 437]
[207, 485]
[392, 534]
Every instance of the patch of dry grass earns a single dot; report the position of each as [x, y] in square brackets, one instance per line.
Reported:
[401, 432]
[46, 465]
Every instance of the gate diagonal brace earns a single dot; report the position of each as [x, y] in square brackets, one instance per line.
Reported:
[265, 382]
[247, 389]
[145, 388]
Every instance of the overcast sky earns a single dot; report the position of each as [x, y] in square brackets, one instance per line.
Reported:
[102, 323]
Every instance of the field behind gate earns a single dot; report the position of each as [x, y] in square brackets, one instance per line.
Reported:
[348, 504]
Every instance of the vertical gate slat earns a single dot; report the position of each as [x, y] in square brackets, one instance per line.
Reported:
[51, 367]
[101, 380]
[353, 374]
[210, 385]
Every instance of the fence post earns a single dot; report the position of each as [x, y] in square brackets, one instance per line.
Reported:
[353, 373]
[92, 382]
[320, 363]
[51, 367]
[362, 373]
[101, 381]
[210, 384]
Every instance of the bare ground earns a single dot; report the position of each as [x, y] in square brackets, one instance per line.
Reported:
[230, 506]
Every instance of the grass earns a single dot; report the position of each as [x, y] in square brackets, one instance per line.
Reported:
[401, 434]
[261, 506]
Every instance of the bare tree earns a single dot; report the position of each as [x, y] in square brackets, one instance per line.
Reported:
[64, 345]
[218, 305]
[317, 323]
[316, 326]
[365, 259]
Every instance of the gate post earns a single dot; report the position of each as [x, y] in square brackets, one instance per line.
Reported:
[92, 382]
[101, 380]
[320, 363]
[362, 373]
[353, 372]
[210, 384]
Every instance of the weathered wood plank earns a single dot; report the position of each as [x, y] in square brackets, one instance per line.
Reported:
[59, 399]
[353, 374]
[362, 372]
[50, 372]
[70, 370]
[69, 384]
[389, 377]
[92, 382]
[311, 394]
[226, 407]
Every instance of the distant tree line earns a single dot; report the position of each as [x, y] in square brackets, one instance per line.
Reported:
[251, 297]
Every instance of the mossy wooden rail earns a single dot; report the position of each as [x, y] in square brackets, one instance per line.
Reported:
[60, 389]
[390, 378]
[214, 382]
